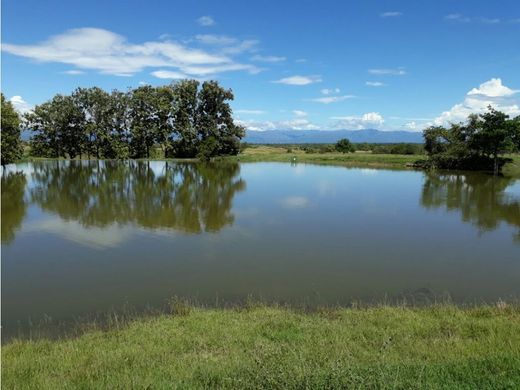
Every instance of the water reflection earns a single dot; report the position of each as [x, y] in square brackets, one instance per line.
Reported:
[14, 206]
[481, 199]
[187, 197]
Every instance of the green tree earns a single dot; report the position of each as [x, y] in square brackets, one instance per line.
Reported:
[94, 103]
[215, 120]
[344, 146]
[150, 114]
[10, 137]
[477, 144]
[183, 141]
[59, 128]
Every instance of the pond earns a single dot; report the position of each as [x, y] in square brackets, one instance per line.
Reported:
[84, 237]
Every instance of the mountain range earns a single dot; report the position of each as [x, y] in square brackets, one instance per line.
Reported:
[330, 136]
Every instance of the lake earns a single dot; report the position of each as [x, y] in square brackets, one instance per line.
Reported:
[84, 237]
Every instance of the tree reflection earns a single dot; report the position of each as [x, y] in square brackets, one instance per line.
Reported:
[190, 197]
[481, 199]
[14, 206]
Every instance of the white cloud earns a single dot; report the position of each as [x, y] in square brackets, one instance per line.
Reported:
[20, 105]
[299, 113]
[212, 39]
[206, 21]
[492, 88]
[490, 93]
[329, 91]
[250, 112]
[372, 120]
[289, 124]
[411, 125]
[332, 99]
[110, 53]
[74, 72]
[458, 18]
[375, 84]
[383, 71]
[390, 14]
[301, 60]
[260, 58]
[299, 80]
[168, 74]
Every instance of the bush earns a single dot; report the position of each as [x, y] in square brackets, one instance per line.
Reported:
[344, 146]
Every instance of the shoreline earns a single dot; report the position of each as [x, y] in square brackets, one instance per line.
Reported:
[268, 346]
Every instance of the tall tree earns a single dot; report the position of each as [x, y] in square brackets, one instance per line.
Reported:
[183, 141]
[59, 128]
[94, 103]
[145, 121]
[218, 134]
[10, 137]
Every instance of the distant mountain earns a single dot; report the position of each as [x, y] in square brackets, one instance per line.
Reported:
[330, 136]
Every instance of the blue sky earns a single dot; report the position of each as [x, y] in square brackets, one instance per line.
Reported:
[291, 64]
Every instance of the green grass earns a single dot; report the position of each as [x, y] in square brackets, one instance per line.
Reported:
[258, 153]
[267, 347]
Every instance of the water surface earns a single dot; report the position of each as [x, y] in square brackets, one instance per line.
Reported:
[85, 237]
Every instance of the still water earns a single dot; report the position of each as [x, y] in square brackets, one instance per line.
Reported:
[87, 237]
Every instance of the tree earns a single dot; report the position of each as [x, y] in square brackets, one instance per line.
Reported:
[183, 141]
[181, 118]
[344, 146]
[10, 137]
[477, 144]
[149, 113]
[59, 128]
[495, 135]
[94, 105]
[215, 120]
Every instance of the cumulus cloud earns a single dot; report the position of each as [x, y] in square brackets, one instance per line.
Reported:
[332, 99]
[206, 21]
[20, 104]
[110, 53]
[386, 71]
[492, 88]
[490, 93]
[375, 84]
[390, 14]
[369, 120]
[299, 80]
[299, 113]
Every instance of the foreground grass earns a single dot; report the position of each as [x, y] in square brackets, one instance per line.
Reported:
[262, 347]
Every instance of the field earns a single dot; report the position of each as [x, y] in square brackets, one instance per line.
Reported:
[271, 347]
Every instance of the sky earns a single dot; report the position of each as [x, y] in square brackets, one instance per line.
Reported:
[292, 65]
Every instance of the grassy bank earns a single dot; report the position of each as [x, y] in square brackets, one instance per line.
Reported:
[258, 153]
[262, 347]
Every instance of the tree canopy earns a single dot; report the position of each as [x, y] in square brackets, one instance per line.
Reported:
[10, 137]
[477, 144]
[184, 119]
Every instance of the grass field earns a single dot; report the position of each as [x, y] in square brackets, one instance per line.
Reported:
[268, 347]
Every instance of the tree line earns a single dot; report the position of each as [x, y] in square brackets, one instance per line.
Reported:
[477, 144]
[185, 119]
